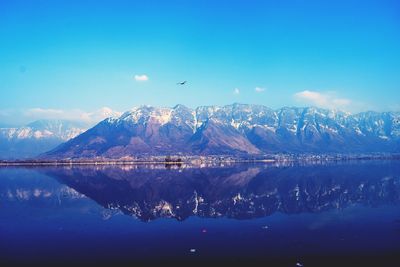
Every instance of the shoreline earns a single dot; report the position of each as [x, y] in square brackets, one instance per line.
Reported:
[194, 162]
[121, 162]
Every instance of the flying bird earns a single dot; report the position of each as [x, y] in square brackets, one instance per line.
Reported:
[181, 83]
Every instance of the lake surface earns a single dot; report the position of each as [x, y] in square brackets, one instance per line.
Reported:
[308, 214]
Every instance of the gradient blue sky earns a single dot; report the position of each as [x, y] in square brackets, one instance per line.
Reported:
[83, 55]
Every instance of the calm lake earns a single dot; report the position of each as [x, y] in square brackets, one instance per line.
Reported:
[297, 214]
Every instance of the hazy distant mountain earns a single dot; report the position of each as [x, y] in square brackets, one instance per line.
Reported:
[234, 129]
[36, 138]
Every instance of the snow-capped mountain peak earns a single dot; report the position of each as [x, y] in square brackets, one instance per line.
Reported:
[36, 137]
[236, 128]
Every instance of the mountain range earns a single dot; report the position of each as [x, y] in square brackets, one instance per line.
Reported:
[236, 129]
[36, 138]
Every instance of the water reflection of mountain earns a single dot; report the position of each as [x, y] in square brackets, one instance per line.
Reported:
[240, 191]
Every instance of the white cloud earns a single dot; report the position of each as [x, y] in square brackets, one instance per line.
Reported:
[72, 114]
[236, 91]
[323, 99]
[100, 114]
[141, 78]
[259, 89]
[45, 113]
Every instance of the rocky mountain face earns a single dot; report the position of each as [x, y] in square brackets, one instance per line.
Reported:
[234, 129]
[36, 138]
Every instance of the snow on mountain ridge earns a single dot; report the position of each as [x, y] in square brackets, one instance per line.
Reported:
[244, 117]
[32, 131]
[234, 129]
[36, 137]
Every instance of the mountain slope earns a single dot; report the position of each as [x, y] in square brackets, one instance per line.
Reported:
[36, 138]
[214, 137]
[234, 129]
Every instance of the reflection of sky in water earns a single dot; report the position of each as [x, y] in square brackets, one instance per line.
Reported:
[288, 212]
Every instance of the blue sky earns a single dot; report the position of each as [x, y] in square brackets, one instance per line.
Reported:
[84, 55]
